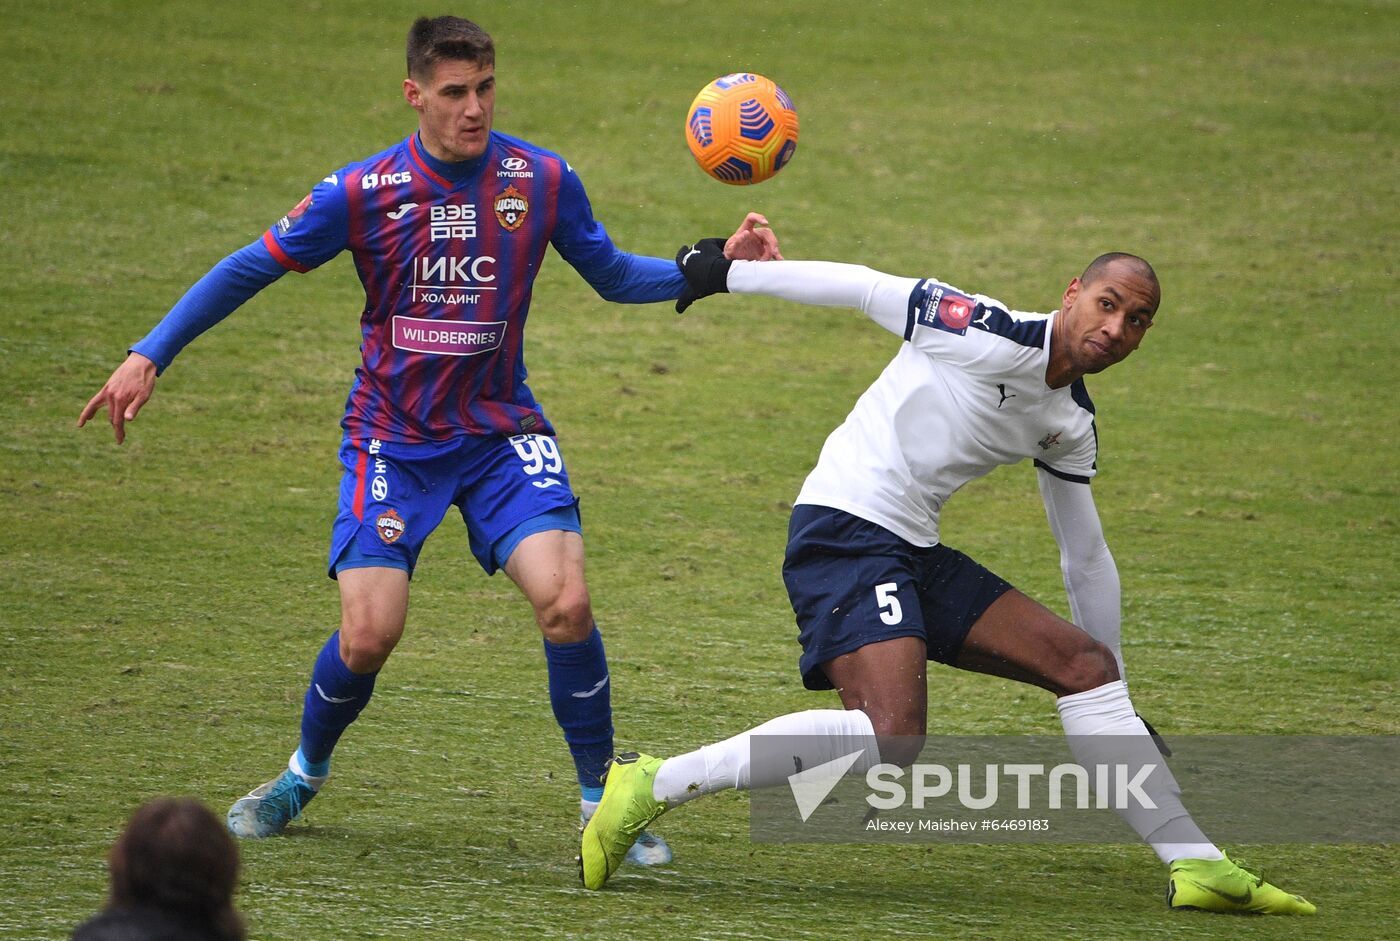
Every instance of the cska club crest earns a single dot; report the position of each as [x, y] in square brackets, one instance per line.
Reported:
[390, 526]
[511, 209]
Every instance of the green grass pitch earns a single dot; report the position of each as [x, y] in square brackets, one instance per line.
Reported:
[161, 603]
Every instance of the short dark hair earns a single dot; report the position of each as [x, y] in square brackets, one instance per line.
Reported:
[433, 39]
[176, 856]
[1099, 265]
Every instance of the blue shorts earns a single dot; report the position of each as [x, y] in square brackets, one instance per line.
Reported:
[392, 496]
[854, 583]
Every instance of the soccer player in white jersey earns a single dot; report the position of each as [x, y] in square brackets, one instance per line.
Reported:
[876, 594]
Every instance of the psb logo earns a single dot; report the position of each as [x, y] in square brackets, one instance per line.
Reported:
[517, 167]
[511, 208]
[390, 526]
[373, 180]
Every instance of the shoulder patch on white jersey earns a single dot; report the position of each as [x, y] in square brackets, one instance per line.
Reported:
[941, 307]
[938, 306]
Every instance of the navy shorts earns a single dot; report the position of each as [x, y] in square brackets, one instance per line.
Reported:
[392, 496]
[853, 583]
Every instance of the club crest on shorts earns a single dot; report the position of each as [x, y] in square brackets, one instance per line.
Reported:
[511, 208]
[390, 526]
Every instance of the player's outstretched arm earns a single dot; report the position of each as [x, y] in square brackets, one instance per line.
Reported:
[227, 285]
[1090, 574]
[125, 391]
[883, 297]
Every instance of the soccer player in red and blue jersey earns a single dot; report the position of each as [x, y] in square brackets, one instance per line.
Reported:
[448, 230]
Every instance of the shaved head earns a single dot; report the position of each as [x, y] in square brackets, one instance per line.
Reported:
[1138, 266]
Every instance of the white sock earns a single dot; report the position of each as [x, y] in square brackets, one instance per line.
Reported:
[295, 764]
[829, 734]
[1107, 711]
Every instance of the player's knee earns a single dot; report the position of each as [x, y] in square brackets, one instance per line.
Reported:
[1089, 666]
[901, 750]
[365, 650]
[900, 733]
[566, 618]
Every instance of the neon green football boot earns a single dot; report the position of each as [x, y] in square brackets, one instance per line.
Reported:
[1218, 885]
[625, 811]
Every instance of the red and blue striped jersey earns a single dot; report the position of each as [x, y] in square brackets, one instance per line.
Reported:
[448, 266]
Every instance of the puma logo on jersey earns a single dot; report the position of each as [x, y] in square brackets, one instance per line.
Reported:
[1001, 388]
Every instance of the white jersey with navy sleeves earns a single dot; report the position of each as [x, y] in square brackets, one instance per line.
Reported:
[965, 394]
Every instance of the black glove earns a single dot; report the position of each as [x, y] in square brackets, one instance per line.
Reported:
[706, 271]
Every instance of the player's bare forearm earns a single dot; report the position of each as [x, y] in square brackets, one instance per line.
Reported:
[123, 395]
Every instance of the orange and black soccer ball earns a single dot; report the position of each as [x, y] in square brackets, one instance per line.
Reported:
[741, 128]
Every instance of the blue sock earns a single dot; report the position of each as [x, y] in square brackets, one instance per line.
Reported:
[333, 700]
[580, 693]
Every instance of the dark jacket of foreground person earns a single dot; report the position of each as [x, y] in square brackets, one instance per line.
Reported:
[145, 924]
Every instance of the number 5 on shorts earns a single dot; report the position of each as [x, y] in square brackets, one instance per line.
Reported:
[885, 599]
